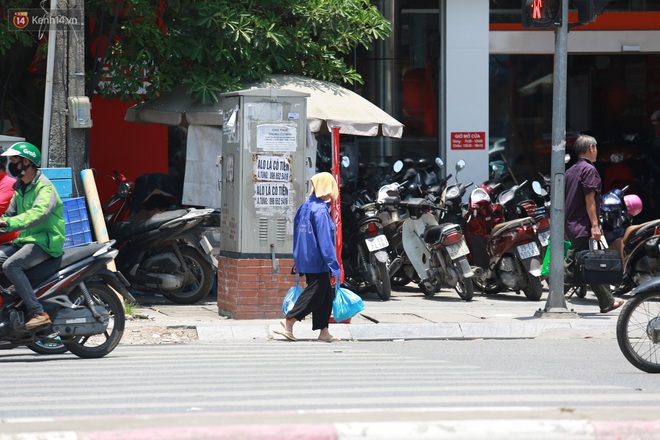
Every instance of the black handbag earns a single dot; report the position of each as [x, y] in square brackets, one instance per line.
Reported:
[597, 265]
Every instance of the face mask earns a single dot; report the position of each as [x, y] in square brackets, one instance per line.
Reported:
[14, 170]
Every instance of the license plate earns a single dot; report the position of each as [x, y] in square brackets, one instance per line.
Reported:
[528, 250]
[376, 243]
[457, 250]
[544, 238]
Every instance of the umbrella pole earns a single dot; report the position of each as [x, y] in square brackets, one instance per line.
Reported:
[336, 205]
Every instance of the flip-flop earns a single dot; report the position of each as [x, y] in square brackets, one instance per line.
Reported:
[330, 339]
[615, 305]
[285, 333]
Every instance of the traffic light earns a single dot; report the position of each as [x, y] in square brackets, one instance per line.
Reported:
[541, 13]
[588, 9]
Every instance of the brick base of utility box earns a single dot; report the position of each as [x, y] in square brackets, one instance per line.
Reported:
[249, 289]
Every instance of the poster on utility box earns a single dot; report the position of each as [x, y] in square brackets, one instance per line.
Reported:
[272, 177]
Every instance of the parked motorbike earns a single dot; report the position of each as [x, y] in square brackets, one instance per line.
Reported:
[435, 251]
[507, 253]
[80, 294]
[639, 245]
[638, 327]
[165, 253]
[393, 216]
[364, 251]
[451, 200]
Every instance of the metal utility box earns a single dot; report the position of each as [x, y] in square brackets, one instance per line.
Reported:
[263, 170]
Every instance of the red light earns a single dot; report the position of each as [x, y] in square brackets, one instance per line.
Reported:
[537, 5]
[372, 229]
[452, 239]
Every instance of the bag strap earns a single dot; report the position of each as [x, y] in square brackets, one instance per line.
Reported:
[595, 245]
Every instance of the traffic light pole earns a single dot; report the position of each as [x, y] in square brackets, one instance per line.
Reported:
[556, 304]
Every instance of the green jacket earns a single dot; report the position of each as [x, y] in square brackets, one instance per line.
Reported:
[36, 210]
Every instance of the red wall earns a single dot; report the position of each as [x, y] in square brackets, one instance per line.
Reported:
[132, 149]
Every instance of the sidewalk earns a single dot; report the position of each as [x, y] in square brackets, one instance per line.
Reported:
[407, 315]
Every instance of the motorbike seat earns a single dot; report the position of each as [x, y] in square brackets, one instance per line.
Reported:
[123, 230]
[433, 233]
[42, 271]
[632, 230]
[501, 227]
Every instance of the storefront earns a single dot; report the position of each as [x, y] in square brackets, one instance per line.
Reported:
[431, 76]
[613, 92]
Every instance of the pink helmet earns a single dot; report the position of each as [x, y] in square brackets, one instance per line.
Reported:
[633, 204]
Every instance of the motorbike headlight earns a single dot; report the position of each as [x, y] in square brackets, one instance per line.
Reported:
[616, 157]
[506, 197]
[123, 189]
[478, 195]
[452, 193]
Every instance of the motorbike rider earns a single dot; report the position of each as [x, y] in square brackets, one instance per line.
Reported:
[6, 193]
[35, 210]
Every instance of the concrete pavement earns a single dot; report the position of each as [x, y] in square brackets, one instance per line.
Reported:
[407, 315]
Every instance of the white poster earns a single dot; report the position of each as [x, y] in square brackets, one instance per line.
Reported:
[272, 168]
[277, 137]
[272, 195]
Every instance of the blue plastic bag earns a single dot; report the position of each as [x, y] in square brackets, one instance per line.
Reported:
[291, 296]
[346, 304]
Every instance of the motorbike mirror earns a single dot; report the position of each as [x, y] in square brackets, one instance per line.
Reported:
[398, 166]
[460, 165]
[439, 163]
[538, 189]
[345, 162]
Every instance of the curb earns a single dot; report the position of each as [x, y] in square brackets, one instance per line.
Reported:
[389, 332]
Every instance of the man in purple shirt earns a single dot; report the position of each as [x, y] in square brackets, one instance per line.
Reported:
[582, 209]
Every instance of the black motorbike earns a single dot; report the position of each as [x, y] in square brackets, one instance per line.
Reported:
[162, 248]
[167, 254]
[364, 252]
[81, 296]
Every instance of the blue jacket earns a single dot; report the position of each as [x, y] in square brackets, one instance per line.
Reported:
[314, 239]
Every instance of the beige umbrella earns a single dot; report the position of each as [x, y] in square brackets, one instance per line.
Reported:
[328, 105]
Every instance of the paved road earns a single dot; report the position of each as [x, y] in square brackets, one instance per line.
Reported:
[259, 383]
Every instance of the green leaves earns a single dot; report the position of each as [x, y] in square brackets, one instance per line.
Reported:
[217, 45]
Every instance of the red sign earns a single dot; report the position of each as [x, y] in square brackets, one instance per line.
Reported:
[20, 19]
[468, 140]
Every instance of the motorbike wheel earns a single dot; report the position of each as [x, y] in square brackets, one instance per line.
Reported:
[381, 279]
[399, 279]
[48, 346]
[97, 346]
[465, 289]
[633, 331]
[534, 289]
[428, 289]
[199, 285]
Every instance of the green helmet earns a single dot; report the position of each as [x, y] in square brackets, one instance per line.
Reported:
[26, 150]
